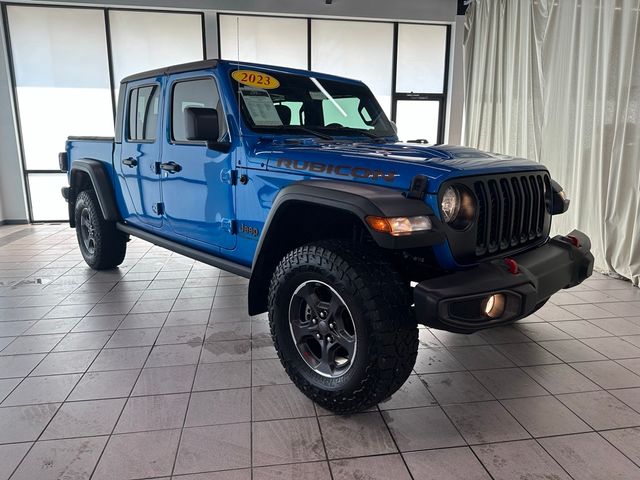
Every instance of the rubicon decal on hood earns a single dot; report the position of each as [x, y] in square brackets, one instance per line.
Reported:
[337, 170]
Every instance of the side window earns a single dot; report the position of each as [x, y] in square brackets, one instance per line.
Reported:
[194, 93]
[345, 113]
[144, 104]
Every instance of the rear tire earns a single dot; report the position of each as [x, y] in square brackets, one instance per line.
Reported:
[102, 245]
[342, 324]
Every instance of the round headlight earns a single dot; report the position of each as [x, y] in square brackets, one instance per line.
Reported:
[450, 204]
[458, 207]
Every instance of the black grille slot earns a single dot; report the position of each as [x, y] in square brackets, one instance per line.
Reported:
[511, 212]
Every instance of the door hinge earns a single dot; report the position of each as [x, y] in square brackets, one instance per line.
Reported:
[229, 176]
[158, 208]
[229, 226]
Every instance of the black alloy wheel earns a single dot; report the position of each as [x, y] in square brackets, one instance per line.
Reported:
[322, 328]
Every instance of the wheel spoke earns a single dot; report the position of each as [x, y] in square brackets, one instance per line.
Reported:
[335, 307]
[302, 329]
[347, 343]
[327, 360]
[310, 296]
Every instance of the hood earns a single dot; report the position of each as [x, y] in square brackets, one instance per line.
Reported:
[388, 164]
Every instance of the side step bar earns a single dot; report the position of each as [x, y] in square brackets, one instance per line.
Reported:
[209, 259]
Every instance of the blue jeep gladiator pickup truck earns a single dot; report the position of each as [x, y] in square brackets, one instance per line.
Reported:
[349, 238]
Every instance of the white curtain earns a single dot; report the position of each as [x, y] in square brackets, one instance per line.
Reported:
[558, 82]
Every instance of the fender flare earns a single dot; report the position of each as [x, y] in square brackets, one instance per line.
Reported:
[359, 200]
[101, 183]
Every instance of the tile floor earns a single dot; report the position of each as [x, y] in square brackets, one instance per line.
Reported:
[155, 371]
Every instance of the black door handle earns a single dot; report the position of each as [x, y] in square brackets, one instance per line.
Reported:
[130, 162]
[171, 167]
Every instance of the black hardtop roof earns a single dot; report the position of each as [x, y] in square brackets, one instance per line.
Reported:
[183, 67]
[208, 64]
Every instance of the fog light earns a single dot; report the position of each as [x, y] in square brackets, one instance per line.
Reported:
[493, 305]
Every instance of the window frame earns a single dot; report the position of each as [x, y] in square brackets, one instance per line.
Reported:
[156, 88]
[441, 98]
[172, 86]
[114, 101]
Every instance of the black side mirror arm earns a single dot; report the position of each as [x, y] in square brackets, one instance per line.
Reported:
[224, 147]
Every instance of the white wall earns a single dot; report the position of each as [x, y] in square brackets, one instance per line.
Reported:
[12, 197]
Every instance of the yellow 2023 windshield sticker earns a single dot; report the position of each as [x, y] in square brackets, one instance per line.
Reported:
[255, 79]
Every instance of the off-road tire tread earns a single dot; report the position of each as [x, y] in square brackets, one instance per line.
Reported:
[110, 243]
[393, 338]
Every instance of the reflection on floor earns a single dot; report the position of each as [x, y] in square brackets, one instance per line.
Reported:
[154, 370]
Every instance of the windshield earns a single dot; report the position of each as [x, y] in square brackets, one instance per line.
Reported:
[297, 104]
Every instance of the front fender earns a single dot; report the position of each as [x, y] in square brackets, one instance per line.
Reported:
[360, 200]
[357, 200]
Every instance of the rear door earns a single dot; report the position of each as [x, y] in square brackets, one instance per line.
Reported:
[199, 196]
[138, 165]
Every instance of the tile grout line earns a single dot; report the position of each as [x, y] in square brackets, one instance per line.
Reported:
[193, 382]
[95, 466]
[251, 474]
[393, 439]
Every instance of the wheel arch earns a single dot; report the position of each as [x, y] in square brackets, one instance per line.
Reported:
[309, 211]
[90, 173]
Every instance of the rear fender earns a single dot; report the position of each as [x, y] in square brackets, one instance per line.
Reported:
[89, 173]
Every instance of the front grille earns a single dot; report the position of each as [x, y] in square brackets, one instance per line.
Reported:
[511, 212]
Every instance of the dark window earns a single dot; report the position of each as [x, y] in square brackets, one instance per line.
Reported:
[144, 105]
[194, 93]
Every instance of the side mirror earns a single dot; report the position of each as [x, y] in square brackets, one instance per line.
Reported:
[201, 124]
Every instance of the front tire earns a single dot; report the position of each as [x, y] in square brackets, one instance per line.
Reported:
[102, 245]
[342, 324]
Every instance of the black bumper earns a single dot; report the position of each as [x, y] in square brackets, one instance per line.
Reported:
[454, 302]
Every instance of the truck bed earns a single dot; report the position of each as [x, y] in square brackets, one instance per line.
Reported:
[95, 148]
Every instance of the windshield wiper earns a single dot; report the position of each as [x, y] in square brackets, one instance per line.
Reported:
[302, 128]
[361, 132]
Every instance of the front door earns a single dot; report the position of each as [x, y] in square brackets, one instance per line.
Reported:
[137, 166]
[197, 190]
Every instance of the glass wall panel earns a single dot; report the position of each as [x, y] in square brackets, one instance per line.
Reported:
[270, 40]
[146, 40]
[360, 50]
[417, 119]
[46, 201]
[62, 79]
[422, 51]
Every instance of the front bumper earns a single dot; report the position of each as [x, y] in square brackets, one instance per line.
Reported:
[454, 302]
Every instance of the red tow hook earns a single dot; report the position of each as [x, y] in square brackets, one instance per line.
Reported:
[574, 241]
[512, 265]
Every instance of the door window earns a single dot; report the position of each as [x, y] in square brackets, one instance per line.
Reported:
[144, 104]
[194, 93]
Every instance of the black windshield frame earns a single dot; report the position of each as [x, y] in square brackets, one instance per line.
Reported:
[311, 93]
